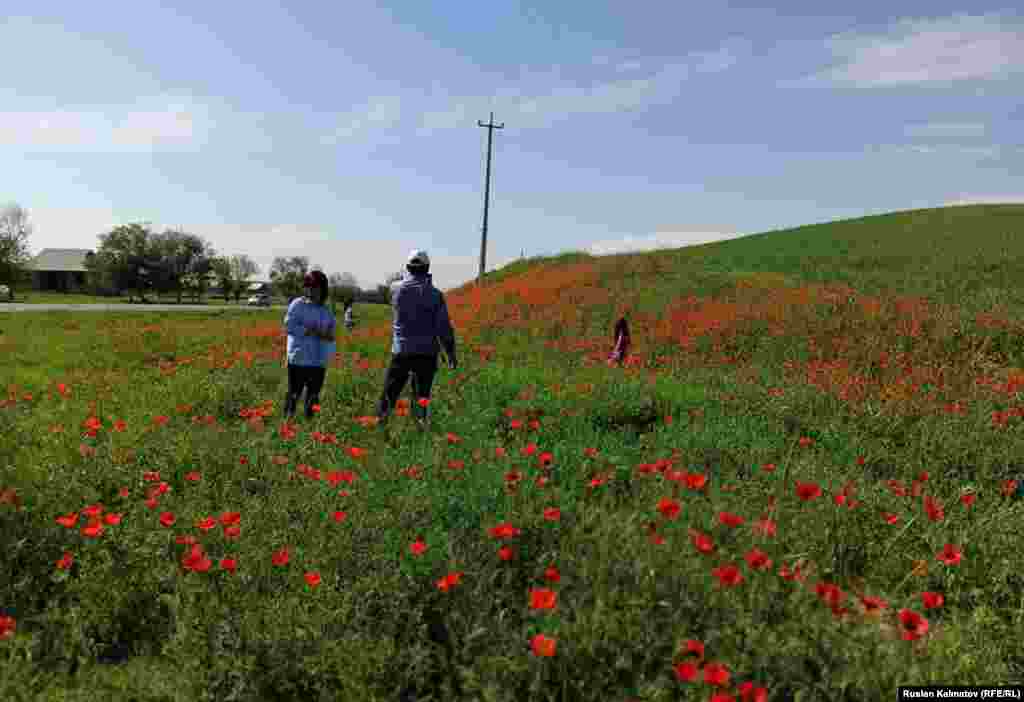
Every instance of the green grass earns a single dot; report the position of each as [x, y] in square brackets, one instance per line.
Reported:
[128, 622]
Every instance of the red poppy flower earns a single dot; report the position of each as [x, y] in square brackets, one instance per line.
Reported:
[758, 559]
[230, 518]
[7, 627]
[829, 593]
[807, 491]
[696, 481]
[456, 465]
[891, 518]
[340, 516]
[728, 575]
[196, 560]
[765, 527]
[504, 531]
[716, 674]
[65, 561]
[418, 547]
[543, 598]
[529, 449]
[453, 438]
[68, 520]
[207, 523]
[932, 600]
[545, 459]
[552, 514]
[505, 553]
[669, 508]
[543, 646]
[185, 540]
[499, 452]
[873, 605]
[192, 476]
[228, 564]
[590, 452]
[112, 518]
[950, 555]
[968, 499]
[552, 575]
[449, 581]
[232, 532]
[913, 625]
[686, 672]
[312, 578]
[702, 542]
[281, 557]
[730, 519]
[92, 511]
[750, 693]
[516, 424]
[768, 467]
[167, 519]
[934, 509]
[423, 401]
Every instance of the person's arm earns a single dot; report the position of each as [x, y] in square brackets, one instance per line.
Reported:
[293, 321]
[444, 330]
[328, 333]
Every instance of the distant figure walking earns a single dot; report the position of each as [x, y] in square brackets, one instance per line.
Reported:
[420, 320]
[310, 326]
[622, 341]
[350, 321]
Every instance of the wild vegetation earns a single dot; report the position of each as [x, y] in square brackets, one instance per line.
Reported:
[802, 484]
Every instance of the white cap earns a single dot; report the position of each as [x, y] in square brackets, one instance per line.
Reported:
[418, 257]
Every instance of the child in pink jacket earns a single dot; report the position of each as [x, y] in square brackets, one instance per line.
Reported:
[622, 341]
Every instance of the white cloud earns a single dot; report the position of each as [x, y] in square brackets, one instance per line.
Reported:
[378, 113]
[955, 150]
[946, 129]
[985, 200]
[539, 100]
[921, 51]
[161, 123]
[671, 239]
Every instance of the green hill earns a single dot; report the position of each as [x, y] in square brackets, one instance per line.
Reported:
[971, 256]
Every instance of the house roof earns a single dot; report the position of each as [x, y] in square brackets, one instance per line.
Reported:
[61, 260]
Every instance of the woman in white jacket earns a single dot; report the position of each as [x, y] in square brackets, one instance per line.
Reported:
[310, 326]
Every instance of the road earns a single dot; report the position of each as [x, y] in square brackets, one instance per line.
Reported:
[123, 307]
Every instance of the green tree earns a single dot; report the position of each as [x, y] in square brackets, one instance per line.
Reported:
[242, 269]
[287, 274]
[15, 230]
[126, 258]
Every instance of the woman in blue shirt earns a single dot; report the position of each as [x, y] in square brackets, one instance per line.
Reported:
[310, 326]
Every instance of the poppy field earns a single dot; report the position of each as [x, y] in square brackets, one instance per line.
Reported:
[801, 484]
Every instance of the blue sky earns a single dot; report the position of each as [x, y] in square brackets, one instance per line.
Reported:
[347, 131]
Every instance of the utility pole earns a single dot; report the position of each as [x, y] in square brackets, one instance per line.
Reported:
[490, 126]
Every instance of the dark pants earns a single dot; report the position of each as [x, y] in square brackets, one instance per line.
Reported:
[422, 366]
[309, 377]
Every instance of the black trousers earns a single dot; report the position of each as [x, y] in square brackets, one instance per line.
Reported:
[423, 368]
[309, 377]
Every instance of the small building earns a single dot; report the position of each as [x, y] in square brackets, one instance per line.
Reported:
[60, 269]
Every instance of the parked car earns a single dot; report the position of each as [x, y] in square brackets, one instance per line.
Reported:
[260, 299]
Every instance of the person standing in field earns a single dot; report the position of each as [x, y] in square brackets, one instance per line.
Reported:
[622, 341]
[310, 326]
[420, 320]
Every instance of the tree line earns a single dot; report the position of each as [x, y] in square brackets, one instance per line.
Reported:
[137, 259]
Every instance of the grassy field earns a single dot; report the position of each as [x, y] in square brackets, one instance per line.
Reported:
[801, 485]
[50, 297]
